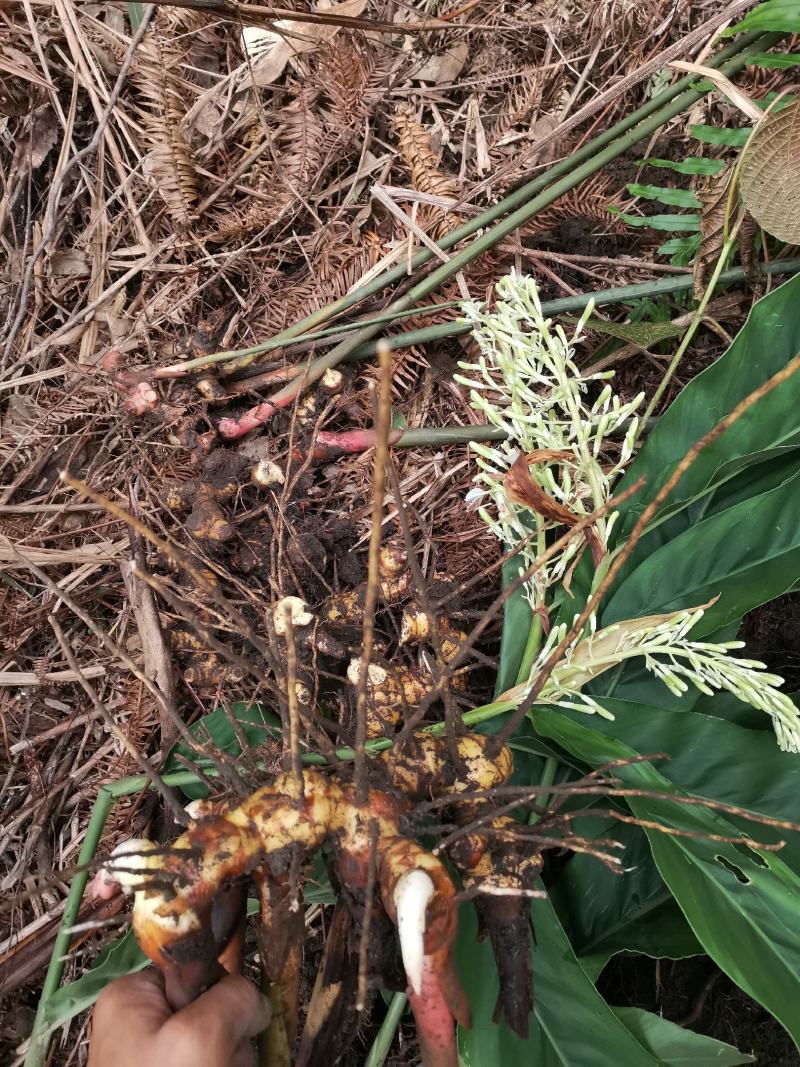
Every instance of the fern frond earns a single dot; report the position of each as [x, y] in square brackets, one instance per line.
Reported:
[169, 164]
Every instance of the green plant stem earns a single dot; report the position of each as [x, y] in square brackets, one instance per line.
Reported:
[677, 283]
[532, 646]
[39, 1040]
[549, 771]
[693, 327]
[529, 207]
[382, 1043]
[644, 121]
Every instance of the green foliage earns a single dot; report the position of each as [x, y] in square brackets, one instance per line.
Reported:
[690, 165]
[671, 197]
[117, 959]
[772, 15]
[224, 731]
[728, 531]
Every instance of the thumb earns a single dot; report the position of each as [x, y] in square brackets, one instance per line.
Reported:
[233, 1006]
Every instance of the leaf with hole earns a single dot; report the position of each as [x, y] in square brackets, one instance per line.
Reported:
[742, 905]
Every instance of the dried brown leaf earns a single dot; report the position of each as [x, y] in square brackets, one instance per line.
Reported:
[770, 174]
[712, 192]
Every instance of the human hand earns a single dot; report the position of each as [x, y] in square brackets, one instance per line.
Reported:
[134, 1026]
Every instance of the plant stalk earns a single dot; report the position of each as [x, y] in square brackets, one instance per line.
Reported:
[382, 1043]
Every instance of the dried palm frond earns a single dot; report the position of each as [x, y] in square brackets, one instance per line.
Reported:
[344, 69]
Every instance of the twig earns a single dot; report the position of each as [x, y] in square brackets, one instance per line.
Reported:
[382, 427]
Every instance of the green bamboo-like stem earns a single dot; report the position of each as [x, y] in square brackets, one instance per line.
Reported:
[229, 428]
[678, 283]
[40, 1037]
[693, 327]
[676, 98]
[382, 1043]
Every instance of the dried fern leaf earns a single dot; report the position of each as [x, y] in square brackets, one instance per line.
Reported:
[770, 174]
[168, 164]
[416, 152]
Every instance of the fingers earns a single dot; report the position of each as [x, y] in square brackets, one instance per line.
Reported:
[229, 1013]
[129, 1014]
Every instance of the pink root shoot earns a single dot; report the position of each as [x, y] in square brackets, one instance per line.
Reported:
[103, 886]
[435, 1023]
[232, 429]
[330, 444]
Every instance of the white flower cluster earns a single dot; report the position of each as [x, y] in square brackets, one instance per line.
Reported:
[526, 382]
[663, 643]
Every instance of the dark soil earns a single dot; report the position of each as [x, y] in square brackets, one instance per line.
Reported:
[696, 994]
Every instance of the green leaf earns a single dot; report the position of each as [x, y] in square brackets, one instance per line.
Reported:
[715, 758]
[571, 1026]
[772, 15]
[777, 60]
[678, 1047]
[517, 619]
[671, 197]
[670, 223]
[742, 904]
[121, 957]
[681, 250]
[399, 421]
[720, 135]
[606, 912]
[256, 723]
[745, 556]
[765, 344]
[692, 165]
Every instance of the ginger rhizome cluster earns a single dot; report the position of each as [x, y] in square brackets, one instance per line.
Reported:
[188, 897]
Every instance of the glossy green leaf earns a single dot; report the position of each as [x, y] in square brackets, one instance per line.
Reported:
[693, 165]
[675, 1046]
[517, 617]
[765, 344]
[741, 904]
[715, 758]
[121, 957]
[744, 556]
[606, 912]
[571, 1026]
[771, 15]
[671, 197]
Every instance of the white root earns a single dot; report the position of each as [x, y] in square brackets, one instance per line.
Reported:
[411, 896]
